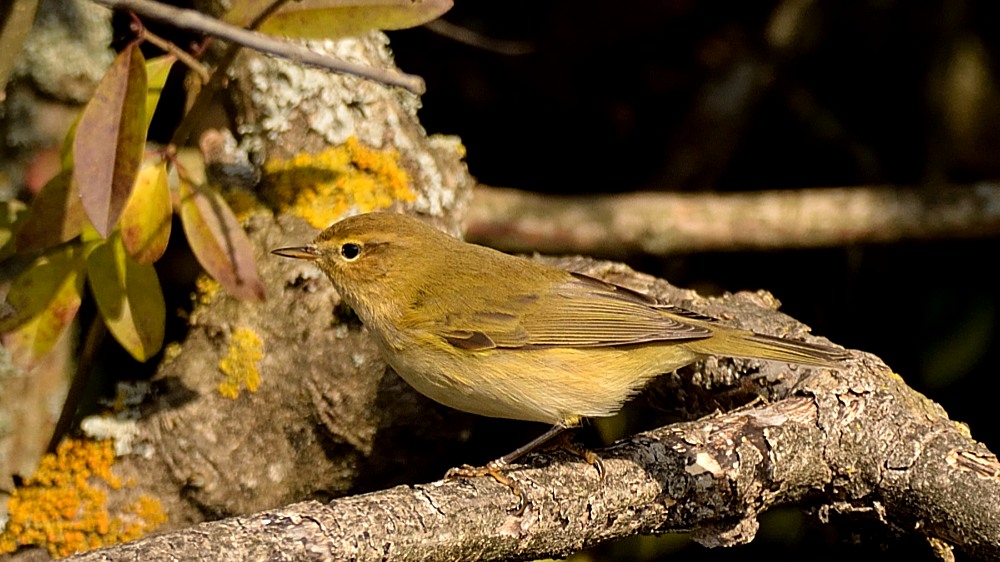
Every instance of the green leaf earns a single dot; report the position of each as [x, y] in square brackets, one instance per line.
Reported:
[218, 241]
[110, 138]
[66, 151]
[44, 300]
[145, 223]
[56, 215]
[128, 297]
[331, 19]
[157, 70]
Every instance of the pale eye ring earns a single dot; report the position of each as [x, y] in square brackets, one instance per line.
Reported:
[350, 251]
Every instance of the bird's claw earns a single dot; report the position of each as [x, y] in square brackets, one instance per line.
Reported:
[494, 470]
[592, 458]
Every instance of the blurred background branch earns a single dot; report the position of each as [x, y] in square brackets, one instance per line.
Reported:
[664, 223]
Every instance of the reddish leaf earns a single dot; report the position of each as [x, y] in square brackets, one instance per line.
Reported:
[56, 215]
[129, 298]
[218, 241]
[44, 299]
[110, 138]
[145, 223]
[330, 19]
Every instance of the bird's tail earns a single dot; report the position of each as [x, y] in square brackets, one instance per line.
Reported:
[750, 345]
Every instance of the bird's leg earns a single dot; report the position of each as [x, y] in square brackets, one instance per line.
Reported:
[535, 443]
[495, 468]
[468, 471]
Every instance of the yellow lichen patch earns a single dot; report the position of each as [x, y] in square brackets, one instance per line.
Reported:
[240, 363]
[243, 203]
[322, 188]
[205, 289]
[64, 506]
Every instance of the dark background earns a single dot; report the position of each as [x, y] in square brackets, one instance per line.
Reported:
[700, 96]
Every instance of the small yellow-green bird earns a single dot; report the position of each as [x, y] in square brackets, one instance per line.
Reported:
[503, 336]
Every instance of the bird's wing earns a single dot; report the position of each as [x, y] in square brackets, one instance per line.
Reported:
[580, 312]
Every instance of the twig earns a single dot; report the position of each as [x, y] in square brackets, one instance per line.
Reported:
[196, 21]
[207, 94]
[169, 47]
[666, 223]
[96, 331]
[478, 40]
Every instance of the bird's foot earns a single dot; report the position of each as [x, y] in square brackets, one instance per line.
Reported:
[494, 469]
[565, 442]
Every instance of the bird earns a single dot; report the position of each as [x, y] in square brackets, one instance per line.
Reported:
[504, 336]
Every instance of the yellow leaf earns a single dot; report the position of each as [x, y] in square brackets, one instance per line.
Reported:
[44, 299]
[145, 223]
[128, 297]
[331, 19]
[157, 70]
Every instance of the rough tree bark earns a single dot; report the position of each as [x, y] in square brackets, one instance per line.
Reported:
[850, 440]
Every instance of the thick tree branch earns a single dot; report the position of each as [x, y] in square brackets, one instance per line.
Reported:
[666, 223]
[858, 437]
[198, 22]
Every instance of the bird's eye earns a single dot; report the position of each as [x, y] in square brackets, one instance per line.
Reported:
[350, 251]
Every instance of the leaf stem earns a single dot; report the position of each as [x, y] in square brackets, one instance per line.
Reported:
[96, 331]
[204, 98]
[169, 47]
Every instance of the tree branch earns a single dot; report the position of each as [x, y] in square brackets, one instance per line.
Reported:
[666, 223]
[858, 438]
[198, 22]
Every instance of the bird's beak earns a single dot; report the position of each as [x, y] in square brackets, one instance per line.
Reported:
[301, 252]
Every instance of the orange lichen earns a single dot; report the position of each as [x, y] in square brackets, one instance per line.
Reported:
[323, 187]
[64, 506]
[240, 364]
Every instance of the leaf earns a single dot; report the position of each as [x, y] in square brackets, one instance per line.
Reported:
[218, 241]
[145, 223]
[110, 138]
[43, 299]
[331, 19]
[56, 215]
[129, 298]
[66, 151]
[157, 71]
